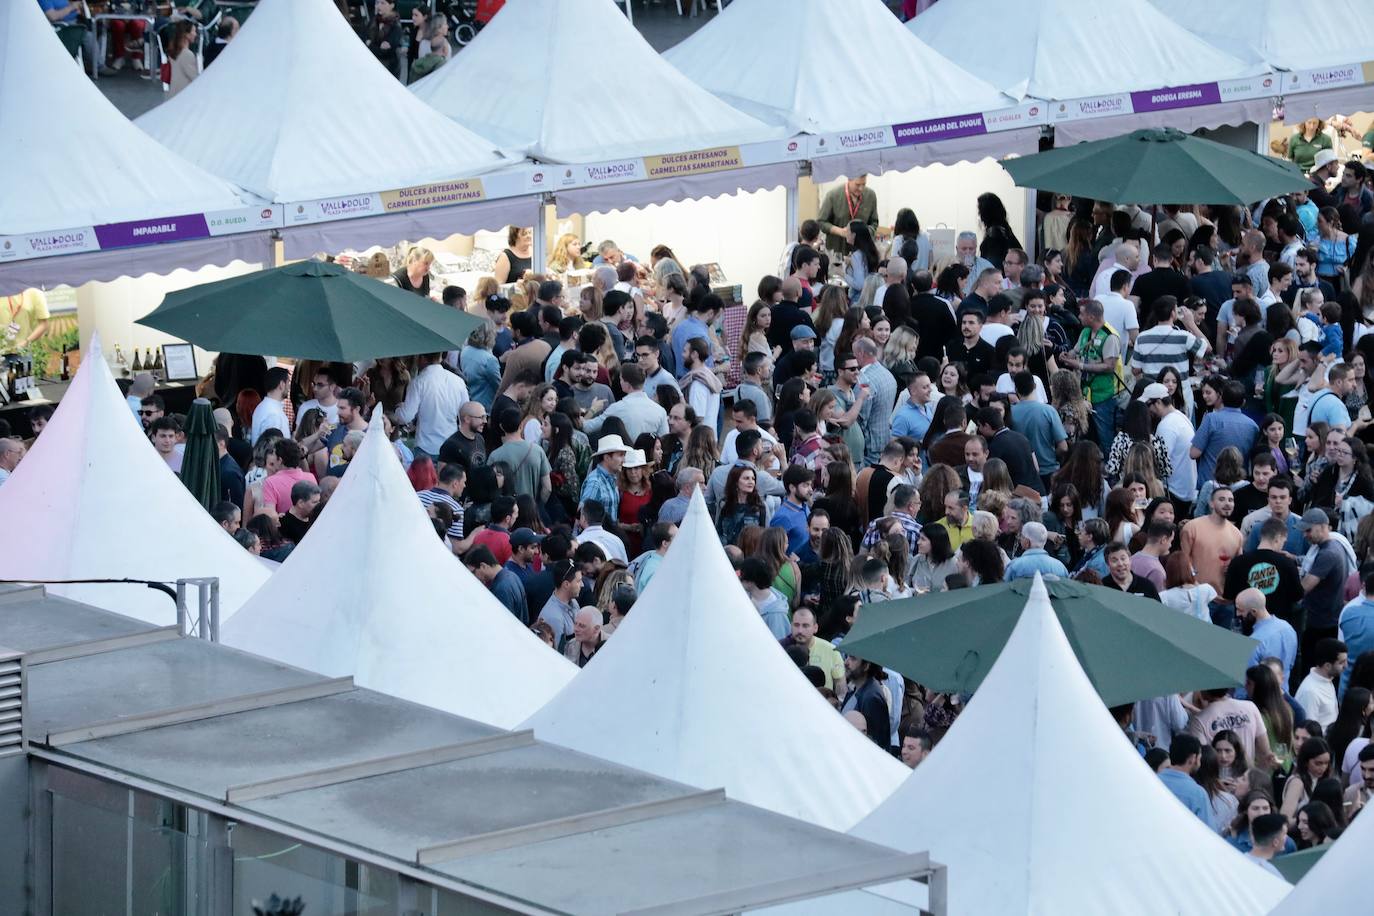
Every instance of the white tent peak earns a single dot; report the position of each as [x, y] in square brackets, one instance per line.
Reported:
[372, 592]
[548, 54]
[693, 687]
[1063, 49]
[71, 159]
[751, 56]
[1339, 877]
[92, 500]
[1042, 843]
[296, 108]
[1281, 34]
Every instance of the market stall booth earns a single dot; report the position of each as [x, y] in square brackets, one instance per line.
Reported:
[94, 501]
[373, 593]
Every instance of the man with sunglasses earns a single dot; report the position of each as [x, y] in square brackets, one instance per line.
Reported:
[151, 409]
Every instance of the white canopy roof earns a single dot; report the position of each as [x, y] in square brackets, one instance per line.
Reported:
[92, 500]
[1038, 804]
[693, 687]
[372, 592]
[1339, 879]
[574, 81]
[1065, 49]
[70, 158]
[297, 108]
[828, 65]
[1290, 36]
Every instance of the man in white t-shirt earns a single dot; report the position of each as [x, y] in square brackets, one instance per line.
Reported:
[325, 398]
[1118, 309]
[270, 414]
[1125, 256]
[1177, 434]
[1016, 362]
[998, 324]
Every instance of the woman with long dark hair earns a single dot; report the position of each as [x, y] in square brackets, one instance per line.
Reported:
[1267, 694]
[981, 562]
[1312, 766]
[1316, 825]
[998, 237]
[742, 505]
[1346, 486]
[935, 560]
[1223, 803]
[1231, 757]
[1136, 428]
[839, 499]
[1352, 721]
[1083, 469]
[862, 260]
[909, 242]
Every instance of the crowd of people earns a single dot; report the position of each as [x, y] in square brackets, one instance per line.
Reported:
[1167, 401]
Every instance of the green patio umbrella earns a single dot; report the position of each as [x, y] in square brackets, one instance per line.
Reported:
[1297, 864]
[310, 310]
[200, 461]
[1157, 166]
[1132, 648]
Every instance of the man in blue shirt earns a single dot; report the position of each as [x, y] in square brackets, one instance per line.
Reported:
[1034, 559]
[1185, 754]
[1357, 628]
[700, 314]
[1222, 428]
[1040, 424]
[1274, 637]
[793, 514]
[913, 417]
[60, 12]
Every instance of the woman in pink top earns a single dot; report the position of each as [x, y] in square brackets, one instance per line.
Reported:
[276, 490]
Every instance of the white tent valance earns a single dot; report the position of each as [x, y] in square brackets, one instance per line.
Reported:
[659, 191]
[1249, 111]
[304, 241]
[1022, 142]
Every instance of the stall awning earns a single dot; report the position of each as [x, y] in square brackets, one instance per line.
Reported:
[662, 190]
[75, 269]
[1185, 119]
[1021, 141]
[304, 241]
[1323, 104]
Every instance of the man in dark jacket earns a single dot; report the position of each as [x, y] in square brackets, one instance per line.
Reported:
[931, 316]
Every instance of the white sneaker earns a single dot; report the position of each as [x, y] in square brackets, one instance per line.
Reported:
[118, 64]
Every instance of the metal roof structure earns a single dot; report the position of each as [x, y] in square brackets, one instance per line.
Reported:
[491, 815]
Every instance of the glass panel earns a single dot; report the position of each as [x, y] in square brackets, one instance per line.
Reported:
[266, 864]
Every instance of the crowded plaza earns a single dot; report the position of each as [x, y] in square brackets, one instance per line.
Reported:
[853, 480]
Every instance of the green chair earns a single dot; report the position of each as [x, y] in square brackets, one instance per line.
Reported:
[72, 36]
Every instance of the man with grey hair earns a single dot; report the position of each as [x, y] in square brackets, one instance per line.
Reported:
[587, 638]
[11, 453]
[608, 253]
[966, 249]
[689, 480]
[142, 386]
[1032, 277]
[893, 295]
[876, 414]
[1034, 558]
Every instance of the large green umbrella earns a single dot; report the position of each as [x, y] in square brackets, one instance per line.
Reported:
[200, 461]
[1132, 648]
[310, 310]
[1157, 166]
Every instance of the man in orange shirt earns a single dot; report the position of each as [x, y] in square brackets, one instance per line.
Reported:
[1209, 543]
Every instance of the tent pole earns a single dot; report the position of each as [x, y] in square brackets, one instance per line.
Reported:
[793, 206]
[541, 242]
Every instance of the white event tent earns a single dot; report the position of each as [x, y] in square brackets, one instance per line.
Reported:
[872, 73]
[1058, 50]
[296, 108]
[72, 161]
[538, 59]
[693, 687]
[92, 500]
[372, 592]
[1339, 879]
[1316, 35]
[1037, 803]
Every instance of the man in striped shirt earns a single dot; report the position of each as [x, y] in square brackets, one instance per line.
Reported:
[452, 479]
[1164, 345]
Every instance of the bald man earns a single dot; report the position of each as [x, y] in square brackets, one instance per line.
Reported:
[11, 453]
[1276, 637]
[787, 315]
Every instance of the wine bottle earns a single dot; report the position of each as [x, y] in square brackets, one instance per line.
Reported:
[66, 364]
[138, 361]
[157, 364]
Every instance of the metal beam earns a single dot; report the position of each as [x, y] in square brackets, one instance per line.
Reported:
[498, 840]
[100, 646]
[818, 884]
[378, 766]
[198, 711]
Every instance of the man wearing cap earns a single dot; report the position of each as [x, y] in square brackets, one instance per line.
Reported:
[1325, 570]
[636, 410]
[1177, 433]
[603, 481]
[790, 365]
[524, 547]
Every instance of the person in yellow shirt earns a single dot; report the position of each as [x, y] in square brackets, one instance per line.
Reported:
[25, 319]
[819, 652]
[958, 521]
